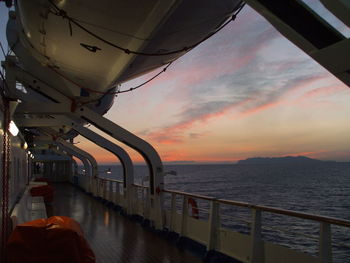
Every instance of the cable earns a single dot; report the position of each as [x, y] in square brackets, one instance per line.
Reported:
[105, 93]
[144, 83]
[60, 12]
[5, 86]
[63, 14]
[2, 49]
[12, 47]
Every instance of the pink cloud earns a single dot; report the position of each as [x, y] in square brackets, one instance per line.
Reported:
[257, 109]
[174, 134]
[324, 91]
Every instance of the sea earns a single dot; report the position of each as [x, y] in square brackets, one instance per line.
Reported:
[318, 188]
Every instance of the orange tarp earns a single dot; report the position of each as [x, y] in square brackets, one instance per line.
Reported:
[45, 190]
[42, 179]
[58, 239]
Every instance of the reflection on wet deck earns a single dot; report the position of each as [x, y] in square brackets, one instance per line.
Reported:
[113, 237]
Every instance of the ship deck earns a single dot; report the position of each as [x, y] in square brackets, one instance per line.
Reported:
[113, 237]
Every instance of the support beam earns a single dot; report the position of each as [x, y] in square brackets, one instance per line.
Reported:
[37, 122]
[68, 106]
[340, 8]
[310, 32]
[79, 154]
[89, 162]
[87, 166]
[151, 156]
[66, 145]
[120, 153]
[46, 108]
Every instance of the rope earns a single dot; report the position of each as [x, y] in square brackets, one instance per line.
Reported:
[62, 13]
[2, 49]
[5, 86]
[10, 49]
[147, 81]
[108, 92]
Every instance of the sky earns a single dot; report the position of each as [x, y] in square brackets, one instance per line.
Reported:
[245, 92]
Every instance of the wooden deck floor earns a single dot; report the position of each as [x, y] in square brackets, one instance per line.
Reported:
[113, 237]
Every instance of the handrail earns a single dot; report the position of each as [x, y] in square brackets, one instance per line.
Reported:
[110, 180]
[325, 219]
[191, 195]
[139, 185]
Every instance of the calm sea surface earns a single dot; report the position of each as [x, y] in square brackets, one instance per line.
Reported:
[322, 189]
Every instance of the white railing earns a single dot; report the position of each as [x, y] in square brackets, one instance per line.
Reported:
[209, 229]
[249, 247]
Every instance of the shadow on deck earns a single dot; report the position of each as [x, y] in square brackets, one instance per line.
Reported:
[113, 237]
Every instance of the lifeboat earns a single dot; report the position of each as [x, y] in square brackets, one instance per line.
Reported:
[85, 51]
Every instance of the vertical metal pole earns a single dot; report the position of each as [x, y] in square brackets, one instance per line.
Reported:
[110, 191]
[257, 253]
[173, 212]
[325, 243]
[213, 225]
[103, 194]
[117, 194]
[184, 216]
[150, 155]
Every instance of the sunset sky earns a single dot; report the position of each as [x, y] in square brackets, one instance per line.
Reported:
[245, 92]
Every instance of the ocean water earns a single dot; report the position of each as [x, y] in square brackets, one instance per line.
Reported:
[322, 189]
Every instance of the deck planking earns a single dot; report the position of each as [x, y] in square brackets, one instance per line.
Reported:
[113, 237]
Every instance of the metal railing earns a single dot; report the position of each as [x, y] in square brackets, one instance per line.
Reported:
[209, 230]
[256, 227]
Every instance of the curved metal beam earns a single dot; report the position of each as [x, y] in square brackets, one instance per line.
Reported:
[150, 155]
[86, 163]
[120, 153]
[66, 145]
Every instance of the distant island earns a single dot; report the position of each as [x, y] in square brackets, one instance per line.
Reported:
[281, 160]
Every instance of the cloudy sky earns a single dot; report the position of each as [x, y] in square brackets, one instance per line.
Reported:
[245, 92]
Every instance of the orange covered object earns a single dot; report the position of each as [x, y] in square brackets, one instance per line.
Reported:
[45, 190]
[58, 239]
[42, 179]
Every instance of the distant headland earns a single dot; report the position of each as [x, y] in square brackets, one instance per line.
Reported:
[281, 160]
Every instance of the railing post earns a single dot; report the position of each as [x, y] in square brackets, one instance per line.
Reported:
[100, 188]
[128, 199]
[88, 183]
[91, 185]
[101, 184]
[110, 191]
[117, 191]
[115, 194]
[325, 243]
[95, 182]
[94, 186]
[257, 250]
[173, 212]
[147, 204]
[103, 194]
[184, 216]
[213, 225]
[97, 187]
[105, 187]
[140, 199]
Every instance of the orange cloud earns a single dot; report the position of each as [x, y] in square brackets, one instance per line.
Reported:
[173, 134]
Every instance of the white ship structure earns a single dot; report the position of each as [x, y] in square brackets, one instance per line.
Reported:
[66, 63]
